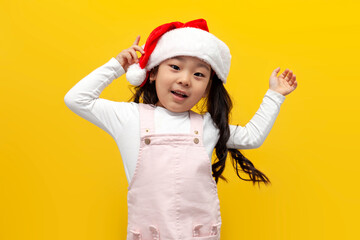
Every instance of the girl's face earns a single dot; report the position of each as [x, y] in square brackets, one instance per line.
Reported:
[181, 82]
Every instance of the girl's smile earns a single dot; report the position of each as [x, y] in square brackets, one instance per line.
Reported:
[179, 95]
[181, 82]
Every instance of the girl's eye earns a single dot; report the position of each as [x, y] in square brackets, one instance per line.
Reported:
[174, 66]
[177, 68]
[201, 75]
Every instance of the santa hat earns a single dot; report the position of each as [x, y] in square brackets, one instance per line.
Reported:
[174, 39]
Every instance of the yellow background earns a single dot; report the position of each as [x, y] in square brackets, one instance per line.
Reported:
[62, 178]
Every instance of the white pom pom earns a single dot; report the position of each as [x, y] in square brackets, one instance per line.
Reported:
[135, 74]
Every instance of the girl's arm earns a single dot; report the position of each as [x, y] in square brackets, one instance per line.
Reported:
[257, 129]
[83, 98]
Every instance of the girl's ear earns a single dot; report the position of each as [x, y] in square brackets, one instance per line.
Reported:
[152, 76]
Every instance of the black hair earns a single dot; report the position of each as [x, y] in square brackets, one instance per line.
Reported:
[218, 103]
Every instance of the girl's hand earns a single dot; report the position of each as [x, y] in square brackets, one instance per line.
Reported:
[285, 83]
[128, 56]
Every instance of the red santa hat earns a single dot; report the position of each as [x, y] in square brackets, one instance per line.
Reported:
[181, 39]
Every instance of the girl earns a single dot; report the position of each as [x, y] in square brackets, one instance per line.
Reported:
[165, 146]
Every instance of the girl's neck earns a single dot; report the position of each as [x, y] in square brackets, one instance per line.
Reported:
[162, 108]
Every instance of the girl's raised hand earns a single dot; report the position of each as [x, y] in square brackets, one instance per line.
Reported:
[285, 83]
[128, 56]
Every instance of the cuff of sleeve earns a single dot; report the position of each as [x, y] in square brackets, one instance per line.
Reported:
[276, 96]
[116, 66]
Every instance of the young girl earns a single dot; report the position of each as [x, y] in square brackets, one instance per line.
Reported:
[165, 146]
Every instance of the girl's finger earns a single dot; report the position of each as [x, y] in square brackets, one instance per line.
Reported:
[133, 54]
[140, 49]
[289, 76]
[137, 40]
[284, 73]
[128, 56]
[275, 72]
[294, 85]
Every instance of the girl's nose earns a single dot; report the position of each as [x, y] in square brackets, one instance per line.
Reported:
[185, 80]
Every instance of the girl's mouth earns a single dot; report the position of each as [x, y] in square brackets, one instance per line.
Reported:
[179, 94]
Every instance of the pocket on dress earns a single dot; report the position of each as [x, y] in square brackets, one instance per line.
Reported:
[154, 232]
[136, 235]
[213, 234]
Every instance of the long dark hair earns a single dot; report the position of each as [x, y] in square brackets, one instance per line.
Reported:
[218, 103]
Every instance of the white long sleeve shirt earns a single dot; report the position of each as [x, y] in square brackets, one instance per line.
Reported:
[121, 119]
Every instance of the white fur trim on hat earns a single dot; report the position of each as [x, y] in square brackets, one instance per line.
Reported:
[193, 42]
[187, 41]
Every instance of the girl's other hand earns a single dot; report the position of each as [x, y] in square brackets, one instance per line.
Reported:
[128, 56]
[285, 83]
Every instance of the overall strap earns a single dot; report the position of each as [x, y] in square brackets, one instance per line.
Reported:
[196, 121]
[146, 113]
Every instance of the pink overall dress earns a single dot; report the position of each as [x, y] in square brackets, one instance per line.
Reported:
[172, 194]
